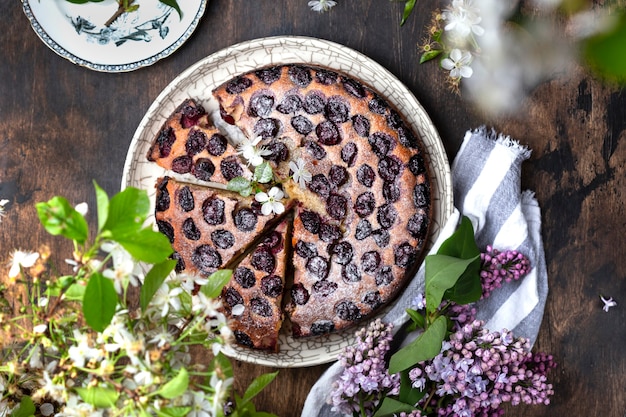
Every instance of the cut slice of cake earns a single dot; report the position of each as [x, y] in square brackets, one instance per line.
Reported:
[252, 300]
[188, 143]
[208, 228]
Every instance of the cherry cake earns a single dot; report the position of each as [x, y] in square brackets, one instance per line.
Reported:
[359, 225]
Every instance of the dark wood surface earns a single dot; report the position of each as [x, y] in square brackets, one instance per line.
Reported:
[62, 126]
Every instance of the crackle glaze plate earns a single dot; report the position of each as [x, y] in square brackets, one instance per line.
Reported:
[78, 32]
[201, 78]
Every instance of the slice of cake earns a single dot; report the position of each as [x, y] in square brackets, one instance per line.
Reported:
[188, 143]
[252, 300]
[208, 228]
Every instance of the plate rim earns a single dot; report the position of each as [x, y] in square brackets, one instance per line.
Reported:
[60, 50]
[443, 173]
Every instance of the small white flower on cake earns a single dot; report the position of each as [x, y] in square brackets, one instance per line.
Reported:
[253, 154]
[271, 201]
[300, 174]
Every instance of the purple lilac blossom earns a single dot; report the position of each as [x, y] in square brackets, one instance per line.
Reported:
[497, 267]
[365, 379]
[478, 370]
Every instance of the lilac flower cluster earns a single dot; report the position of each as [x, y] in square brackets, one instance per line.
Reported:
[365, 380]
[477, 371]
[497, 267]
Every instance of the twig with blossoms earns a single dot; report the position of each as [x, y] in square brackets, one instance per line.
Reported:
[74, 345]
[455, 367]
[264, 178]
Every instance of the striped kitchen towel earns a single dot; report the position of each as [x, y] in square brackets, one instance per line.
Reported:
[486, 176]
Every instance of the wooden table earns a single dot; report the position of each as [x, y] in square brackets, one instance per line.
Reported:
[62, 126]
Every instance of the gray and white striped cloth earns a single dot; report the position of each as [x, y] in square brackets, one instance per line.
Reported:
[486, 176]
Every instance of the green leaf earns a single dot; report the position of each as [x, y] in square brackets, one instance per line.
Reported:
[99, 397]
[419, 322]
[428, 55]
[408, 394]
[144, 244]
[238, 184]
[76, 292]
[408, 9]
[264, 173]
[222, 366]
[468, 288]
[426, 346]
[217, 280]
[102, 204]
[390, 407]
[153, 281]
[176, 387]
[442, 273]
[60, 218]
[462, 243]
[99, 302]
[174, 4]
[257, 385]
[173, 411]
[605, 52]
[128, 210]
[25, 409]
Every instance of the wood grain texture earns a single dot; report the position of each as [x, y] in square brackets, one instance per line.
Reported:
[63, 126]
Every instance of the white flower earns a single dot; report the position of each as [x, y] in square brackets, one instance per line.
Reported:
[221, 388]
[458, 64]
[81, 352]
[321, 6]
[253, 154]
[300, 173]
[82, 208]
[271, 201]
[50, 389]
[207, 306]
[162, 338]
[166, 298]
[3, 203]
[125, 269]
[463, 18]
[76, 408]
[608, 303]
[188, 282]
[22, 259]
[201, 406]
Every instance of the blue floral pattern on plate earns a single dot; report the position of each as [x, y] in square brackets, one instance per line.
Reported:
[133, 40]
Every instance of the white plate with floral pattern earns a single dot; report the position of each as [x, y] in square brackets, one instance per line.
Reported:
[78, 32]
[201, 78]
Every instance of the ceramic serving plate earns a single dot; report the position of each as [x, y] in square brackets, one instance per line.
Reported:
[201, 78]
[79, 33]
